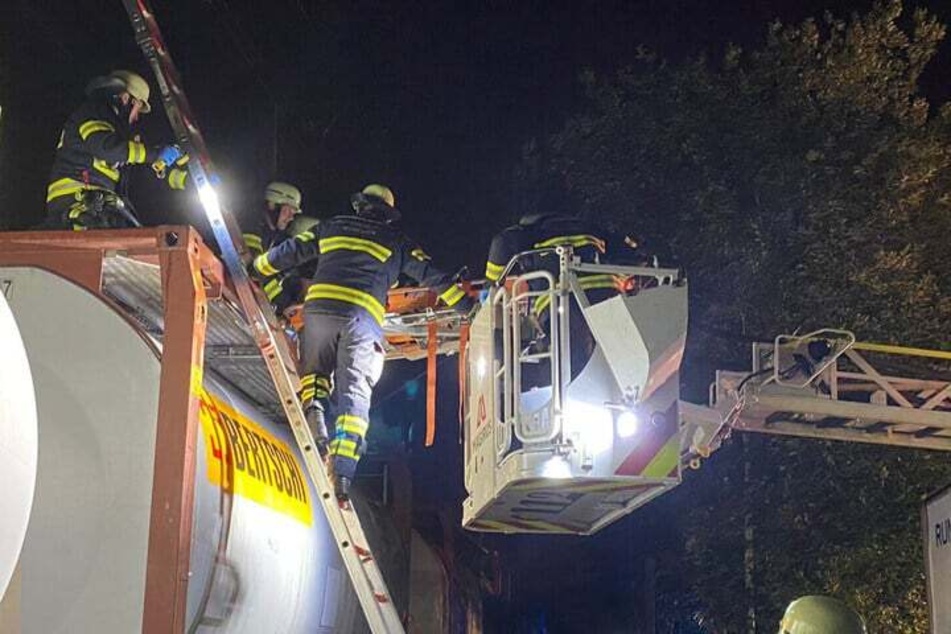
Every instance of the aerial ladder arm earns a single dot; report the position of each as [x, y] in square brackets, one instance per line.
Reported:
[828, 386]
[363, 570]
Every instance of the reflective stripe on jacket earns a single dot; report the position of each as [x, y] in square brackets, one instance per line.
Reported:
[95, 146]
[358, 259]
[543, 232]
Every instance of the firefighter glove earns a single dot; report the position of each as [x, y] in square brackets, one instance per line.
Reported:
[167, 156]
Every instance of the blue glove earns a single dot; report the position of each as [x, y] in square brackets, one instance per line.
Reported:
[169, 154]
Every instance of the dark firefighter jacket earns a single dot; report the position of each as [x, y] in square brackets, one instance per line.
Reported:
[541, 232]
[94, 147]
[358, 259]
[546, 231]
[282, 289]
[264, 238]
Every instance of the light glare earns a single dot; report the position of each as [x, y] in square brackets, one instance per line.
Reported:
[556, 467]
[209, 200]
[593, 424]
[627, 424]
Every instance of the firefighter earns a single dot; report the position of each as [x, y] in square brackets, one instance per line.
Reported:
[534, 235]
[87, 188]
[359, 257]
[282, 204]
[541, 231]
[821, 615]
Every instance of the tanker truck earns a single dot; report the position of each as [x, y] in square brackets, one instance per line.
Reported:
[93, 424]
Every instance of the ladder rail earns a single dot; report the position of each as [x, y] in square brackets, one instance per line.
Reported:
[351, 541]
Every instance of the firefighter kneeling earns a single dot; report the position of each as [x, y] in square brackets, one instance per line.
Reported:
[359, 257]
[87, 188]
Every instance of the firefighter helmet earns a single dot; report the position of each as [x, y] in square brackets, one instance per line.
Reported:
[135, 85]
[821, 615]
[376, 200]
[382, 192]
[278, 194]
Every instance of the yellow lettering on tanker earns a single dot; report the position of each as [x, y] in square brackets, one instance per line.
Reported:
[246, 459]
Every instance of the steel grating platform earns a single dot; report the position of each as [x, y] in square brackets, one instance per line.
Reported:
[230, 351]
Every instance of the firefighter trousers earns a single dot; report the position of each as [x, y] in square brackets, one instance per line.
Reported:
[341, 355]
[89, 209]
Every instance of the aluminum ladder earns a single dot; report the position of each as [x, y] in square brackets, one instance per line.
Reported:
[361, 565]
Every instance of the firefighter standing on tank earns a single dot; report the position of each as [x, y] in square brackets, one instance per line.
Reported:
[359, 257]
[282, 203]
[96, 146]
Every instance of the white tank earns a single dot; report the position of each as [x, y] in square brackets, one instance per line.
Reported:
[262, 557]
[18, 443]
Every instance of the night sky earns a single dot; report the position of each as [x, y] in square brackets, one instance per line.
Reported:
[434, 99]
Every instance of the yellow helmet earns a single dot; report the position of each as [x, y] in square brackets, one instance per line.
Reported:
[135, 85]
[821, 615]
[278, 193]
[382, 192]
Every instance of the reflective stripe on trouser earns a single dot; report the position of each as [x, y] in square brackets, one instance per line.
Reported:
[314, 396]
[314, 387]
[349, 349]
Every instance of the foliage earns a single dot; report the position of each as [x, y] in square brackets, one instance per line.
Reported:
[803, 184]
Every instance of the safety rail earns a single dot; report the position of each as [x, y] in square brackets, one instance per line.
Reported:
[514, 297]
[524, 298]
[515, 306]
[576, 444]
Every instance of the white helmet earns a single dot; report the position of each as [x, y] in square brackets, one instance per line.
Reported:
[278, 194]
[135, 85]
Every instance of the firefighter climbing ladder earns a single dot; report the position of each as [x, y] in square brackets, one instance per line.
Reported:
[367, 579]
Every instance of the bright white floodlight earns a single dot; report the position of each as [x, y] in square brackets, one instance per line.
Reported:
[627, 424]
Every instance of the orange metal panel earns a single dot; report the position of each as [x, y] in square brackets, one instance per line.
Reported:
[166, 582]
[189, 273]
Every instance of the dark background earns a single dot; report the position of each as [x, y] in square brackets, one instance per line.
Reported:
[435, 99]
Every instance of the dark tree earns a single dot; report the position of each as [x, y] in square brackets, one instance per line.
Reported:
[802, 184]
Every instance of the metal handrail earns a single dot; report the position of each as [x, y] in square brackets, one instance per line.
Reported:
[553, 290]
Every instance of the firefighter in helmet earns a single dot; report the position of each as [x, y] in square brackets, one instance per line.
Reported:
[535, 236]
[281, 213]
[87, 187]
[821, 615]
[359, 256]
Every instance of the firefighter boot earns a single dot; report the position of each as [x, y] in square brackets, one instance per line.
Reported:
[341, 483]
[318, 428]
[342, 487]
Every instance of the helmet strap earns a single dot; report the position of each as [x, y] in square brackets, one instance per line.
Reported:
[272, 212]
[122, 109]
